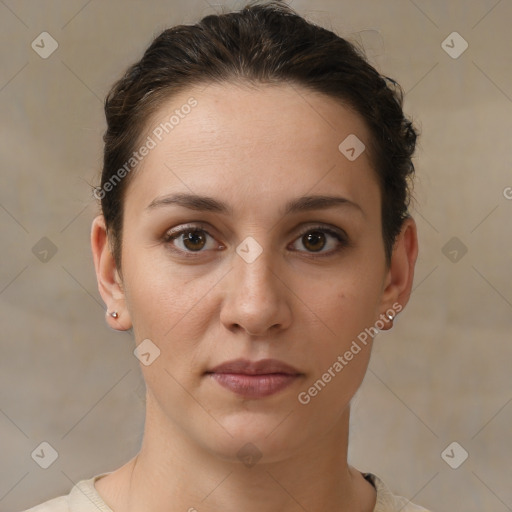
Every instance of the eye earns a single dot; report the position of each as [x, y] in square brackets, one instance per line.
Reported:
[194, 239]
[189, 239]
[317, 238]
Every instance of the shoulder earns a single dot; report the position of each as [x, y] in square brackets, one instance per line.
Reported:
[389, 502]
[82, 498]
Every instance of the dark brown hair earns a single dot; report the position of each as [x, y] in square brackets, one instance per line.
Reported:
[262, 43]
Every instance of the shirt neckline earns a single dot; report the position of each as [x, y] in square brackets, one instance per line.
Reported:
[84, 493]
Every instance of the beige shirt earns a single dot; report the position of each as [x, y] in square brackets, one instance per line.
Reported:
[84, 498]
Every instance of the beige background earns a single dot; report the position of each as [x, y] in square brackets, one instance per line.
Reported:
[441, 375]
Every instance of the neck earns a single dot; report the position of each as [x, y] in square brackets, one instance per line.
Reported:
[172, 473]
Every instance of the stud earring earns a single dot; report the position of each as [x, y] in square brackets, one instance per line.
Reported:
[390, 316]
[114, 314]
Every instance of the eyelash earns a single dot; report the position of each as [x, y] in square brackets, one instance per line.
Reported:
[342, 239]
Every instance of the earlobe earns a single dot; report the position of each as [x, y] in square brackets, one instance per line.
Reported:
[400, 274]
[108, 277]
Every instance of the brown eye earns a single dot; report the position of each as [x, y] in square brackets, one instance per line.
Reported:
[314, 240]
[194, 240]
[189, 240]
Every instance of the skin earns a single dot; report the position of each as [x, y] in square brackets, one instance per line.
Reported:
[255, 148]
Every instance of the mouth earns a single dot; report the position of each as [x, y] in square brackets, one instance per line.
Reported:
[255, 379]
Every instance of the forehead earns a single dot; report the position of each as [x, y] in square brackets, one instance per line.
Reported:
[266, 141]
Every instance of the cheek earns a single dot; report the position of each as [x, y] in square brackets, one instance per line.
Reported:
[162, 304]
[340, 351]
[162, 311]
[347, 303]
[170, 304]
[344, 310]
[168, 308]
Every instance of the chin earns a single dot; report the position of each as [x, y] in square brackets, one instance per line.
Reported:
[256, 438]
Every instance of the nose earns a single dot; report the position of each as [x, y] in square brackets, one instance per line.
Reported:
[256, 297]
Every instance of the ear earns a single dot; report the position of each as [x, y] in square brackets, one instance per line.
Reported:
[400, 275]
[110, 284]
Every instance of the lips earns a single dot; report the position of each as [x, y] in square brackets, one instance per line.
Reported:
[262, 367]
[254, 379]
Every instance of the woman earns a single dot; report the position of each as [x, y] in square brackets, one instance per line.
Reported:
[255, 235]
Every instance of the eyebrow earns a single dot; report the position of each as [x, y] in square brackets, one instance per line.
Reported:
[210, 204]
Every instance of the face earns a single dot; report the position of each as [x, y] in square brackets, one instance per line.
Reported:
[256, 271]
